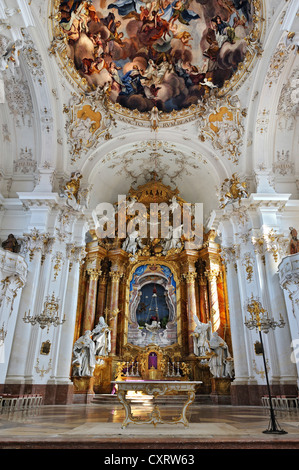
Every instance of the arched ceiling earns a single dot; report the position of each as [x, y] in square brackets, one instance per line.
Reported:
[189, 169]
[53, 123]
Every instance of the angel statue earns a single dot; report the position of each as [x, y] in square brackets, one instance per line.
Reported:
[132, 243]
[201, 337]
[84, 358]
[232, 190]
[72, 187]
[101, 335]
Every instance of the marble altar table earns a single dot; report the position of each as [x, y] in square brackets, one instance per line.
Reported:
[155, 388]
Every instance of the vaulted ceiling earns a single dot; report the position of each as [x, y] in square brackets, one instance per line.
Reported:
[53, 123]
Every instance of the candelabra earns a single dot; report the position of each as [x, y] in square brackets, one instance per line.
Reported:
[49, 315]
[260, 320]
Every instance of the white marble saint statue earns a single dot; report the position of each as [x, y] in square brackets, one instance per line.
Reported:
[218, 360]
[101, 335]
[201, 337]
[84, 358]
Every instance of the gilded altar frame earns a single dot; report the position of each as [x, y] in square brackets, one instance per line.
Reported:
[173, 266]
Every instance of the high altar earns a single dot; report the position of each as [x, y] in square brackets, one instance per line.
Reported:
[151, 298]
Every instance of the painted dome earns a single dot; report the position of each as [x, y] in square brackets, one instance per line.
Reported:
[157, 53]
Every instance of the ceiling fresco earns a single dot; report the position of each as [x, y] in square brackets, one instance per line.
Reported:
[156, 54]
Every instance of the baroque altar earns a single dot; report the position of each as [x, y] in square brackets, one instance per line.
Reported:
[160, 303]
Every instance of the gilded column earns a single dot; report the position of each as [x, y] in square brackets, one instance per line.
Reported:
[90, 309]
[113, 308]
[191, 307]
[213, 298]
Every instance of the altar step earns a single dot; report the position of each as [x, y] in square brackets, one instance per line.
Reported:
[107, 399]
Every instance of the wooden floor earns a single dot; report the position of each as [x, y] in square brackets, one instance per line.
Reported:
[98, 426]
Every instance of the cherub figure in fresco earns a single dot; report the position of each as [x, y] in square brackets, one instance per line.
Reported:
[181, 13]
[184, 37]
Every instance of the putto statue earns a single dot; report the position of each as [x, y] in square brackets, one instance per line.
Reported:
[72, 187]
[84, 357]
[77, 198]
[132, 243]
[201, 337]
[294, 244]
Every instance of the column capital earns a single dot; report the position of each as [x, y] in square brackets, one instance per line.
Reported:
[202, 281]
[190, 277]
[103, 278]
[93, 273]
[115, 275]
[212, 274]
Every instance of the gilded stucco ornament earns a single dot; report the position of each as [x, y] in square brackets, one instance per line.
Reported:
[232, 190]
[88, 120]
[221, 122]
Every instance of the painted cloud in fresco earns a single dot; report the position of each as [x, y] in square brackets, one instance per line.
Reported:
[159, 53]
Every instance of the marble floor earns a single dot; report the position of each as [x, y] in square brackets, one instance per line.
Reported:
[98, 426]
